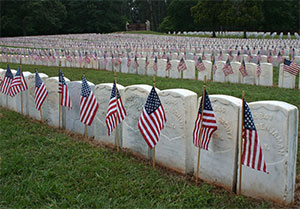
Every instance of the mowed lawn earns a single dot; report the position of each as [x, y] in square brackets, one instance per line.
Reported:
[43, 167]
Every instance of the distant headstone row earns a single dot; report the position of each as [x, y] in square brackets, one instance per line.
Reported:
[144, 66]
[175, 149]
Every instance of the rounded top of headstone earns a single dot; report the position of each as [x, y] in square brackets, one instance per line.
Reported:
[108, 85]
[226, 98]
[178, 92]
[273, 105]
[141, 87]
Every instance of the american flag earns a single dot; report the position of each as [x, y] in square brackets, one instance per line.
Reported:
[259, 56]
[227, 69]
[209, 124]
[152, 119]
[146, 62]
[88, 104]
[115, 110]
[214, 67]
[181, 66]
[203, 56]
[242, 69]
[105, 61]
[238, 56]
[136, 64]
[199, 65]
[252, 152]
[155, 67]
[249, 57]
[18, 84]
[168, 66]
[40, 91]
[63, 90]
[270, 58]
[290, 67]
[279, 58]
[128, 61]
[220, 57]
[87, 60]
[6, 83]
[258, 69]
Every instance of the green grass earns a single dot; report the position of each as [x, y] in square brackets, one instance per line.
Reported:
[41, 167]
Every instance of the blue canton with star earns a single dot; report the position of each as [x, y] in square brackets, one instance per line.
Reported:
[38, 80]
[207, 104]
[8, 73]
[153, 102]
[18, 72]
[61, 78]
[85, 90]
[113, 92]
[248, 120]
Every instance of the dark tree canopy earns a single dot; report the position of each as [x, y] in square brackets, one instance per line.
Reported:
[37, 17]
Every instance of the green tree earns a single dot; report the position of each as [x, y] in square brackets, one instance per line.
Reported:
[179, 16]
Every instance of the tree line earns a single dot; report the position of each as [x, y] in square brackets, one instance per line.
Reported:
[34, 17]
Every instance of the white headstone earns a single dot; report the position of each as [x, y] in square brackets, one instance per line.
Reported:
[25, 96]
[51, 104]
[32, 111]
[174, 72]
[103, 93]
[218, 163]
[279, 142]
[124, 67]
[142, 66]
[174, 147]
[135, 97]
[266, 76]
[189, 73]
[73, 116]
[162, 63]
[206, 72]
[251, 71]
[286, 80]
[219, 74]
[235, 77]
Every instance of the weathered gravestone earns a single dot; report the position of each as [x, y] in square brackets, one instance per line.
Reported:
[219, 74]
[51, 104]
[124, 67]
[174, 147]
[162, 63]
[286, 79]
[135, 97]
[189, 73]
[142, 66]
[250, 78]
[266, 76]
[206, 72]
[235, 77]
[174, 72]
[279, 141]
[32, 111]
[73, 116]
[103, 93]
[218, 163]
[2, 96]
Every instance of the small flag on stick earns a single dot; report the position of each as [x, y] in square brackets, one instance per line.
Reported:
[40, 91]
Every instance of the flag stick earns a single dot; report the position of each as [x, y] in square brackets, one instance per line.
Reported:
[41, 116]
[153, 152]
[59, 104]
[201, 129]
[241, 147]
[85, 131]
[117, 117]
[6, 94]
[21, 91]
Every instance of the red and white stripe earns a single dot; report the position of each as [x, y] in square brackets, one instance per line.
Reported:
[88, 109]
[65, 96]
[40, 95]
[151, 125]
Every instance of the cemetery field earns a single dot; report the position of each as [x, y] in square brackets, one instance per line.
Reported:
[43, 167]
[83, 168]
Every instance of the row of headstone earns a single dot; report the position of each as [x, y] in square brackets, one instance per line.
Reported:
[286, 80]
[175, 149]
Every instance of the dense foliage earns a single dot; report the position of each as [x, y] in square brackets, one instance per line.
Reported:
[32, 17]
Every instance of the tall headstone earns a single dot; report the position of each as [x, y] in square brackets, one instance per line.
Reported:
[189, 73]
[286, 80]
[218, 163]
[103, 93]
[174, 72]
[219, 74]
[266, 76]
[24, 95]
[135, 97]
[206, 72]
[251, 71]
[279, 142]
[174, 147]
[73, 116]
[235, 77]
